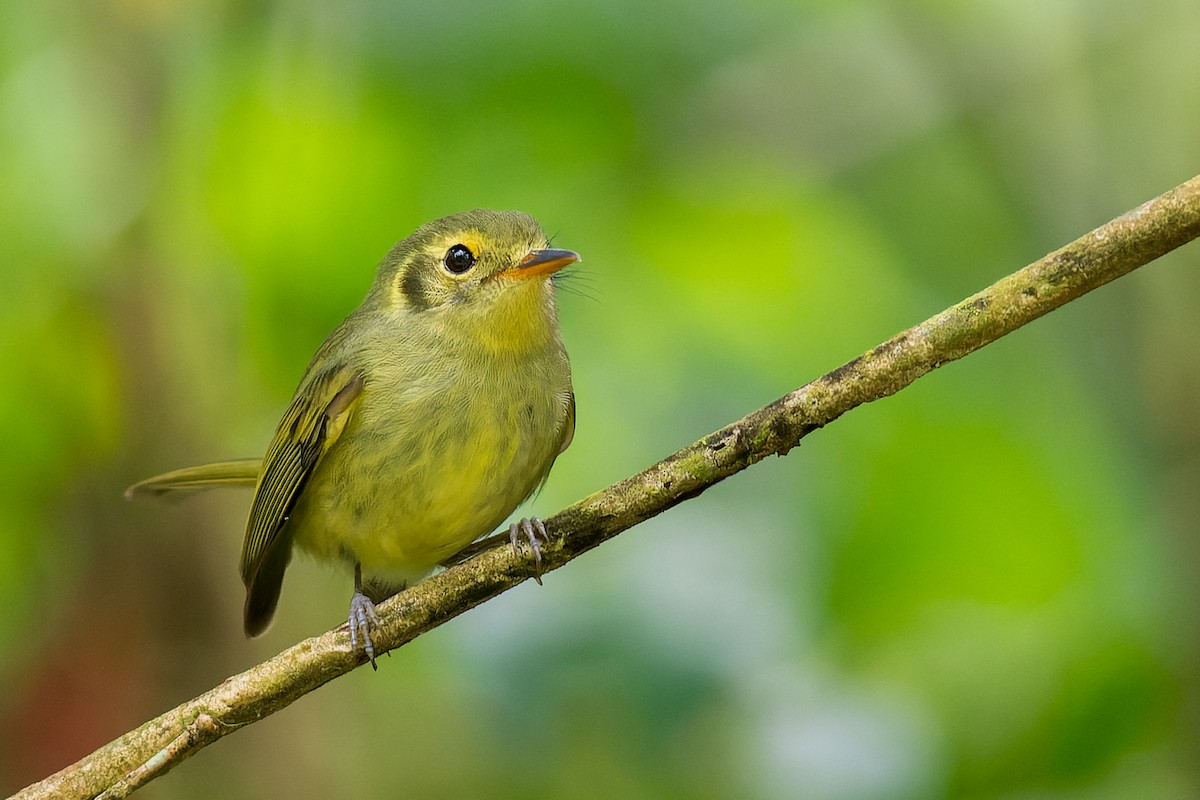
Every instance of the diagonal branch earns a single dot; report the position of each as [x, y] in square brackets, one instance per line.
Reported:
[1106, 253]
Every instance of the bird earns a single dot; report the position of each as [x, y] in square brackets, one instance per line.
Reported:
[421, 423]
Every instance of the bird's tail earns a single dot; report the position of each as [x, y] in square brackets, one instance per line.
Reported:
[223, 474]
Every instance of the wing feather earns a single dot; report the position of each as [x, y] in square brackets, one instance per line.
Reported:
[568, 434]
[310, 427]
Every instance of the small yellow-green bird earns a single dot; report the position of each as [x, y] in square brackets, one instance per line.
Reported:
[425, 418]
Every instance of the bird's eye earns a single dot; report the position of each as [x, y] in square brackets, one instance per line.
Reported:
[459, 259]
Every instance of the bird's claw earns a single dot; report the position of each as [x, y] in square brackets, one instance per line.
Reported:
[534, 532]
[363, 620]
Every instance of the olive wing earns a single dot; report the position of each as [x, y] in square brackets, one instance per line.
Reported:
[310, 427]
[568, 434]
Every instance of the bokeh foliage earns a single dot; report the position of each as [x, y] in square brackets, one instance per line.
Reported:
[982, 587]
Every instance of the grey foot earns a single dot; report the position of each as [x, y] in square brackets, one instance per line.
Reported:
[534, 532]
[363, 620]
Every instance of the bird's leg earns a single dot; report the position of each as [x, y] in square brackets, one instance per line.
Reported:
[534, 532]
[363, 618]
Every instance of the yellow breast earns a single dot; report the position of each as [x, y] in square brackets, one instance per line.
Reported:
[439, 451]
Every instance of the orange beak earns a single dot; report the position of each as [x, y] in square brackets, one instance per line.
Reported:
[541, 262]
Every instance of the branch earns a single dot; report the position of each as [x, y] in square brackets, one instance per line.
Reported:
[1106, 253]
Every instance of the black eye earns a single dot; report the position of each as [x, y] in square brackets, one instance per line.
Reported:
[459, 259]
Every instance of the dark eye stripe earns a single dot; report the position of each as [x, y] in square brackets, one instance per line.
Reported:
[413, 289]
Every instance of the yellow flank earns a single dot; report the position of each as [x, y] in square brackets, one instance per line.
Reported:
[423, 420]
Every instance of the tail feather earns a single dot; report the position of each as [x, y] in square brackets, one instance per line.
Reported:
[224, 474]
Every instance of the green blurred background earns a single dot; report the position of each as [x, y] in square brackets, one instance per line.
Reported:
[982, 587]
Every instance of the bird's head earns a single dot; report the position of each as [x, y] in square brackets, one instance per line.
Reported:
[471, 264]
